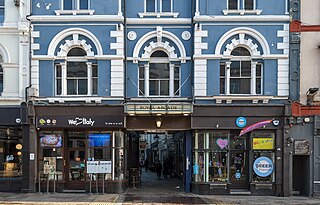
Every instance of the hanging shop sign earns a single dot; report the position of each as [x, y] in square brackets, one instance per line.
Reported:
[241, 122]
[158, 108]
[262, 143]
[80, 121]
[99, 167]
[263, 166]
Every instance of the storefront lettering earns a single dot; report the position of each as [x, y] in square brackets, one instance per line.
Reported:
[81, 121]
[158, 107]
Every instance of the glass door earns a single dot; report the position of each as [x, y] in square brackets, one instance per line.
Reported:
[76, 160]
[239, 162]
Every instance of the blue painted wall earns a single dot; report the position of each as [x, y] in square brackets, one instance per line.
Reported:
[46, 78]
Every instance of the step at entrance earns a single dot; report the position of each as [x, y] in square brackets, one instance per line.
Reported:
[240, 192]
[73, 191]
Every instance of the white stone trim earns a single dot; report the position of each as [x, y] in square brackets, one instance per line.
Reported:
[159, 34]
[283, 77]
[159, 14]
[79, 18]
[247, 43]
[284, 34]
[75, 42]
[35, 75]
[245, 18]
[200, 77]
[117, 78]
[72, 31]
[155, 21]
[119, 35]
[241, 31]
[74, 12]
[5, 54]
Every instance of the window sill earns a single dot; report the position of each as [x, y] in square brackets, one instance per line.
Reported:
[158, 14]
[74, 12]
[242, 12]
[253, 98]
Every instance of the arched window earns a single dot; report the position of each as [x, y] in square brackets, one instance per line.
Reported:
[1, 75]
[76, 76]
[159, 77]
[241, 75]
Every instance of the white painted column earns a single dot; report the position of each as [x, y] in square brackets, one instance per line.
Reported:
[63, 78]
[119, 9]
[171, 81]
[89, 74]
[197, 8]
[146, 80]
[253, 77]
[228, 64]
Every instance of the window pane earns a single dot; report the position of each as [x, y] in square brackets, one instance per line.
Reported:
[166, 5]
[141, 87]
[236, 142]
[77, 52]
[176, 87]
[94, 86]
[159, 70]
[164, 87]
[235, 69]
[77, 69]
[150, 5]
[240, 86]
[141, 72]
[222, 86]
[176, 72]
[258, 85]
[233, 4]
[257, 178]
[218, 171]
[71, 87]
[222, 69]
[159, 54]
[198, 167]
[248, 5]
[218, 141]
[58, 70]
[59, 87]
[84, 4]
[258, 70]
[153, 87]
[1, 2]
[1, 78]
[240, 51]
[246, 68]
[83, 87]
[67, 5]
[94, 70]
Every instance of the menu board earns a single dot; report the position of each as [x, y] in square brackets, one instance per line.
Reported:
[98, 167]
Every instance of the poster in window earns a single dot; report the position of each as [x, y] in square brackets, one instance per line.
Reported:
[262, 143]
[301, 147]
[49, 165]
[99, 140]
[52, 140]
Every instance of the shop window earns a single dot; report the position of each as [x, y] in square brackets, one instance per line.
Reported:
[50, 155]
[210, 157]
[236, 142]
[10, 152]
[263, 156]
[159, 77]
[241, 75]
[75, 4]
[1, 10]
[76, 76]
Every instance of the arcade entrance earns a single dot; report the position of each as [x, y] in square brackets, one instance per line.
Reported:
[158, 158]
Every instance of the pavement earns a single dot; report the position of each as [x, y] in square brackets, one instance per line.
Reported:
[151, 192]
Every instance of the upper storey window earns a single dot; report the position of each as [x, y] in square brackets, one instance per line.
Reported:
[75, 7]
[241, 7]
[1, 10]
[1, 75]
[158, 8]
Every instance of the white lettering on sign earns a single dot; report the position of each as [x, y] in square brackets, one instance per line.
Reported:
[81, 121]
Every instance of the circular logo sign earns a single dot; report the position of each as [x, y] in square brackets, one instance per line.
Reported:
[263, 166]
[241, 121]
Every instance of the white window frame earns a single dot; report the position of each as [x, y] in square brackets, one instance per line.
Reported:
[171, 78]
[64, 78]
[241, 10]
[158, 11]
[253, 76]
[76, 9]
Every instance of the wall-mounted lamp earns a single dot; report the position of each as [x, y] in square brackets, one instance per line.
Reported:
[158, 122]
[19, 146]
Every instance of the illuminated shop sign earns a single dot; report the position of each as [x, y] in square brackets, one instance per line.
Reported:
[260, 143]
[139, 108]
[80, 121]
[263, 166]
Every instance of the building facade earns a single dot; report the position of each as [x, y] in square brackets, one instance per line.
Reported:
[14, 78]
[304, 86]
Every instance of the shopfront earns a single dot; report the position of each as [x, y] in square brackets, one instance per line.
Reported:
[72, 143]
[11, 145]
[227, 160]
